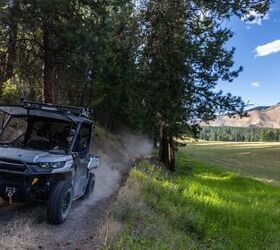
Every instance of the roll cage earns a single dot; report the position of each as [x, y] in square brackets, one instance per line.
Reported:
[76, 116]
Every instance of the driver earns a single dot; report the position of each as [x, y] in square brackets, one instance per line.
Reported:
[67, 137]
[68, 134]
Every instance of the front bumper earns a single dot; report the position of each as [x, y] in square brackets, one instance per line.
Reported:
[29, 181]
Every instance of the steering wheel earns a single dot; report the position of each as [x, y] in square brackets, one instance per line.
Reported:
[62, 146]
[58, 143]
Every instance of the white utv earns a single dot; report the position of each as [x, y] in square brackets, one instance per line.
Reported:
[45, 156]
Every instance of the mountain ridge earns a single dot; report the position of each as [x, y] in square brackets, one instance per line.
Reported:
[259, 117]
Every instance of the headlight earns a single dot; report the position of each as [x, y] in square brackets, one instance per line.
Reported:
[48, 165]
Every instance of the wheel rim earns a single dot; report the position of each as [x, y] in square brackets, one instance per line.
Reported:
[67, 203]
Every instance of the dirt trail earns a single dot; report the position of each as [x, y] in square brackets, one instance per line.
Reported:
[25, 226]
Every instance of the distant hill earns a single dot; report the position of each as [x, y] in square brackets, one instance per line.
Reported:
[259, 108]
[260, 117]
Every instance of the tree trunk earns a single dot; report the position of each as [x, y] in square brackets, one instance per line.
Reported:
[166, 150]
[155, 141]
[11, 53]
[12, 38]
[48, 69]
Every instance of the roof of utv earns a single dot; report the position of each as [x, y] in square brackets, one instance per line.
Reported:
[72, 114]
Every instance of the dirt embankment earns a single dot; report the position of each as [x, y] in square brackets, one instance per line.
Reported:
[24, 226]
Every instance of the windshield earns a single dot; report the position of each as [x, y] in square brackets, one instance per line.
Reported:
[38, 133]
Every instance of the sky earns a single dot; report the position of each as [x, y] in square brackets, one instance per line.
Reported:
[258, 51]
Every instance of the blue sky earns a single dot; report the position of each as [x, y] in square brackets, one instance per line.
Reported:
[255, 42]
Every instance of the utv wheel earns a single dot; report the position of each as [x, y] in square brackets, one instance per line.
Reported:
[59, 203]
[90, 186]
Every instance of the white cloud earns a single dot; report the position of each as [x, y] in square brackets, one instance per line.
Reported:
[256, 84]
[257, 17]
[268, 48]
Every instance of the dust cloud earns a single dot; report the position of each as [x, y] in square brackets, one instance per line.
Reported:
[115, 161]
[136, 145]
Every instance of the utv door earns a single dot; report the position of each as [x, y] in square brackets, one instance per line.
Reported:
[81, 159]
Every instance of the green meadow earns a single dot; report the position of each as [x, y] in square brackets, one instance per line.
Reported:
[202, 206]
[259, 160]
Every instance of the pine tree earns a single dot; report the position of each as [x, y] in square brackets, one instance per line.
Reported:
[183, 59]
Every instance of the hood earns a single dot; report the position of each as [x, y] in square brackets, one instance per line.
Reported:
[31, 156]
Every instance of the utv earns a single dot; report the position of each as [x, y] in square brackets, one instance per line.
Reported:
[45, 156]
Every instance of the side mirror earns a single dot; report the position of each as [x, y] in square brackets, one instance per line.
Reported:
[94, 162]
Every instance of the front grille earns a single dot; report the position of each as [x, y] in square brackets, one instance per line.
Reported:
[12, 178]
[11, 165]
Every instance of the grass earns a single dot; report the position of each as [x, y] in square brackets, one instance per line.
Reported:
[256, 160]
[21, 233]
[201, 207]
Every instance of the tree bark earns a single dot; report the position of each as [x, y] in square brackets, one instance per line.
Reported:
[166, 150]
[12, 39]
[48, 68]
[11, 53]
[155, 139]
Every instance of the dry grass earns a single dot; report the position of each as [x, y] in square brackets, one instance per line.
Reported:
[109, 231]
[131, 192]
[18, 234]
[129, 197]
[22, 231]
